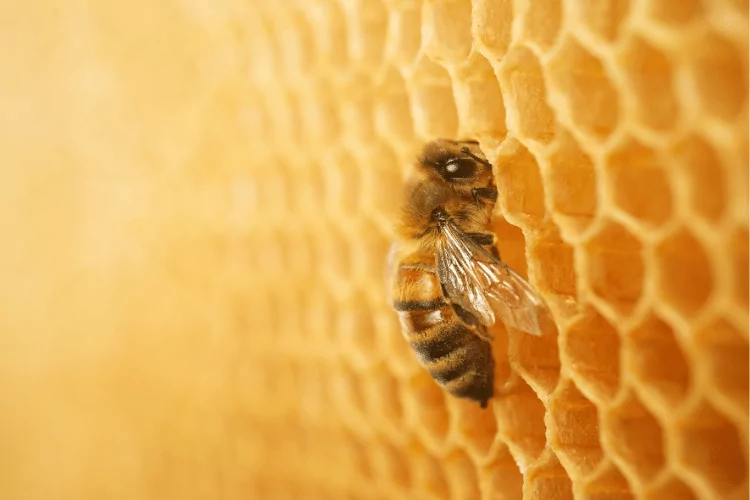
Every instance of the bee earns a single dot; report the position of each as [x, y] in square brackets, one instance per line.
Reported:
[448, 284]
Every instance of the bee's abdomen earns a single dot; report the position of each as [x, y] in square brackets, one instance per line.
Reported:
[456, 358]
[451, 352]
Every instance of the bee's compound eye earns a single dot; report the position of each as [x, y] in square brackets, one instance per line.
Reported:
[459, 168]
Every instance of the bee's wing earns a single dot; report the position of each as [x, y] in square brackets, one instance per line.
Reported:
[483, 285]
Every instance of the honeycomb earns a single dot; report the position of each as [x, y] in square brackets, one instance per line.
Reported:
[197, 201]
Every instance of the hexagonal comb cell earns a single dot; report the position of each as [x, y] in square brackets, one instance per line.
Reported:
[389, 466]
[570, 180]
[675, 13]
[474, 428]
[424, 402]
[706, 178]
[522, 81]
[478, 98]
[573, 435]
[537, 360]
[547, 480]
[607, 483]
[555, 268]
[366, 23]
[404, 36]
[591, 350]
[635, 437]
[615, 269]
[393, 119]
[726, 357]
[520, 422]
[710, 447]
[738, 246]
[668, 488]
[658, 363]
[601, 18]
[592, 103]
[383, 401]
[684, 277]
[492, 25]
[433, 106]
[649, 76]
[720, 75]
[428, 476]
[461, 475]
[639, 184]
[446, 30]
[541, 22]
[504, 480]
[519, 184]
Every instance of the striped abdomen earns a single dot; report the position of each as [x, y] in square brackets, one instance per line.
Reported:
[448, 348]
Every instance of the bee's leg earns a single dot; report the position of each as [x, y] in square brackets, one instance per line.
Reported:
[487, 240]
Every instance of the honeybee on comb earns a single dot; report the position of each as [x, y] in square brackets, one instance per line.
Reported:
[447, 282]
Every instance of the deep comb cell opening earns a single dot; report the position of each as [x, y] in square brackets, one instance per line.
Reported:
[710, 447]
[542, 20]
[475, 428]
[607, 483]
[614, 263]
[701, 166]
[635, 436]
[481, 110]
[668, 488]
[428, 475]
[391, 466]
[727, 362]
[492, 28]
[403, 40]
[675, 13]
[571, 183]
[573, 423]
[638, 183]
[461, 475]
[347, 395]
[720, 74]
[555, 264]
[383, 402]
[522, 80]
[537, 359]
[658, 363]
[520, 422]
[517, 171]
[503, 479]
[648, 73]
[433, 106]
[366, 24]
[579, 77]
[547, 480]
[446, 31]
[591, 350]
[356, 331]
[738, 252]
[425, 406]
[684, 276]
[602, 18]
[393, 119]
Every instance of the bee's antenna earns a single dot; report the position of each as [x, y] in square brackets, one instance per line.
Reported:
[466, 151]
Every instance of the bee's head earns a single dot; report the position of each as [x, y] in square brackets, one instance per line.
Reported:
[443, 186]
[459, 164]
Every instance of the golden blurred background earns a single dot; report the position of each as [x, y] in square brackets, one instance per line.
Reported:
[196, 200]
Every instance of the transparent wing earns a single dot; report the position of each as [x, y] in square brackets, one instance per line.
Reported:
[483, 285]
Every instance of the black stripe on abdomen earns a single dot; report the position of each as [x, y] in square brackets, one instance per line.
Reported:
[419, 305]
